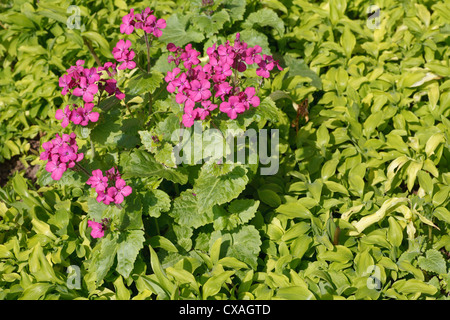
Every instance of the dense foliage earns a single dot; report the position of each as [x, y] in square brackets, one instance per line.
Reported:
[358, 207]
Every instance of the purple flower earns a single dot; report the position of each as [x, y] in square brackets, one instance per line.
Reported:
[56, 167]
[190, 56]
[171, 76]
[252, 55]
[87, 114]
[91, 75]
[154, 26]
[86, 90]
[122, 190]
[189, 117]
[232, 107]
[121, 49]
[127, 25]
[64, 115]
[67, 153]
[65, 82]
[222, 90]
[97, 229]
[248, 98]
[200, 90]
[76, 116]
[98, 181]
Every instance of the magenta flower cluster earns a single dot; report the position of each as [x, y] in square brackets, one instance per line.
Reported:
[77, 115]
[198, 86]
[145, 21]
[61, 153]
[87, 82]
[110, 188]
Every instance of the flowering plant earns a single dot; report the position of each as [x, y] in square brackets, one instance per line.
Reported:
[122, 156]
[199, 86]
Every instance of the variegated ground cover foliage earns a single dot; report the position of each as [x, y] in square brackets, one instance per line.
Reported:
[358, 207]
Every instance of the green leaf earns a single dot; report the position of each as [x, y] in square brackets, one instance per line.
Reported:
[412, 171]
[348, 41]
[323, 137]
[242, 243]
[103, 256]
[329, 168]
[269, 197]
[265, 17]
[154, 202]
[187, 211]
[122, 292]
[178, 32]
[210, 25]
[163, 281]
[162, 242]
[372, 122]
[213, 285]
[128, 249]
[36, 291]
[233, 263]
[433, 262]
[442, 214]
[143, 164]
[240, 211]
[395, 232]
[297, 67]
[339, 253]
[433, 142]
[211, 189]
[101, 42]
[294, 210]
[336, 187]
[294, 293]
[235, 8]
[414, 286]
[144, 83]
[425, 181]
[368, 220]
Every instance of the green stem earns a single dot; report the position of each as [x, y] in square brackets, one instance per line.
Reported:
[148, 52]
[92, 149]
[82, 169]
[157, 226]
[91, 50]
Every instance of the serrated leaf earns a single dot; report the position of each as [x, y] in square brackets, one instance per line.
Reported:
[144, 83]
[210, 25]
[129, 246]
[265, 17]
[236, 8]
[211, 190]
[242, 243]
[143, 164]
[187, 212]
[154, 202]
[433, 262]
[103, 256]
[177, 31]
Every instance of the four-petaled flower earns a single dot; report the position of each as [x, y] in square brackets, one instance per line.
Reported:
[97, 229]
